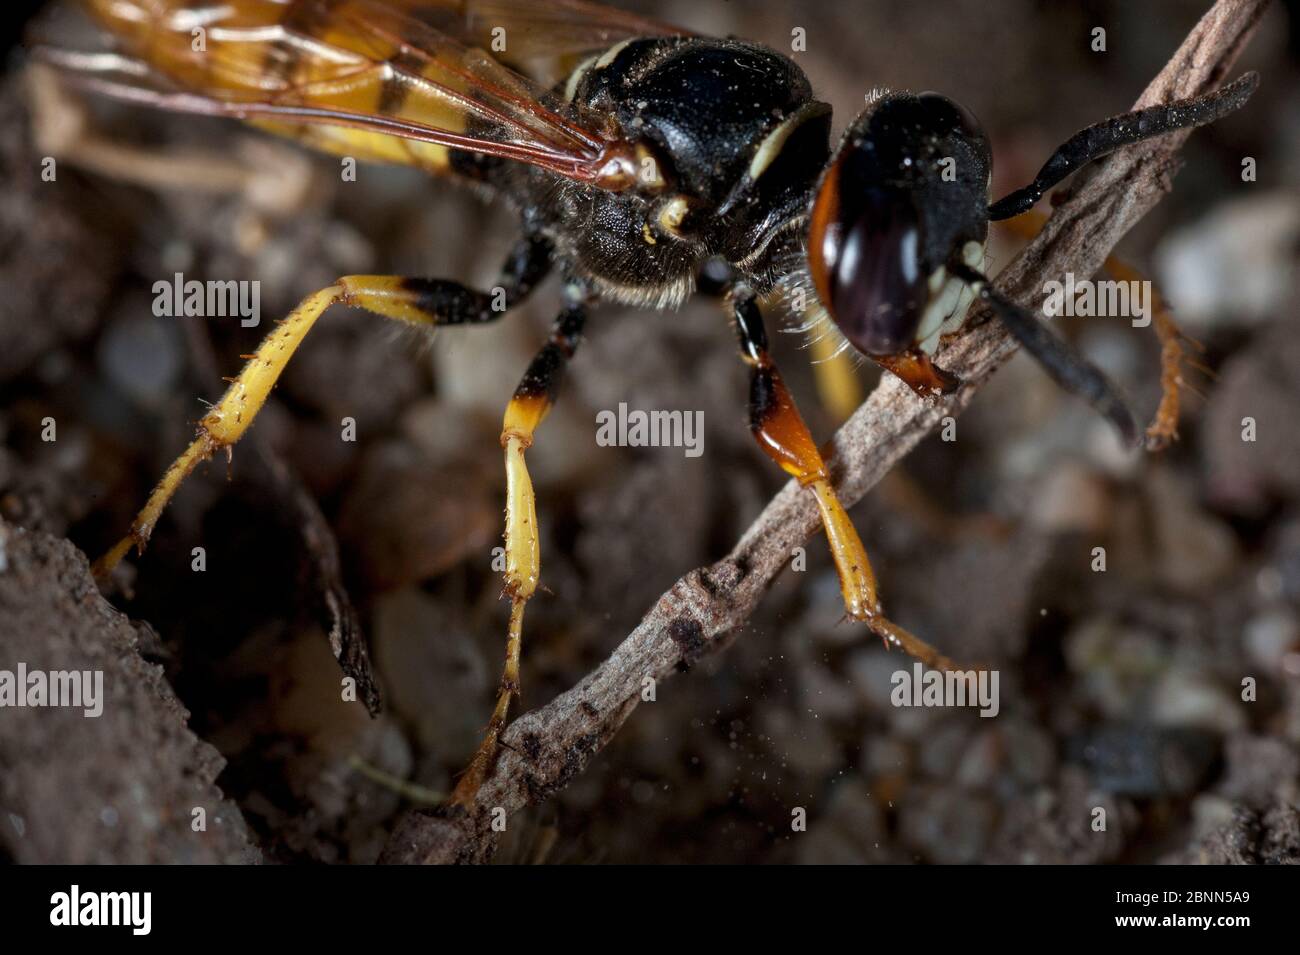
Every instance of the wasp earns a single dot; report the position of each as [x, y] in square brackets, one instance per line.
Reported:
[644, 162]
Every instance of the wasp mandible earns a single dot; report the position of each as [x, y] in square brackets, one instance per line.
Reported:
[636, 158]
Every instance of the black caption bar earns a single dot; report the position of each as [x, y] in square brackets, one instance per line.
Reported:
[307, 905]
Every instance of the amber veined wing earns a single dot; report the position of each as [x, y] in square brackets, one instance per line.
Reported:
[545, 39]
[401, 81]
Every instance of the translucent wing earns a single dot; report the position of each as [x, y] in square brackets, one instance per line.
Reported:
[375, 80]
[546, 39]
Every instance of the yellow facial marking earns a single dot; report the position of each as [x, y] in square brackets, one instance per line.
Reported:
[673, 213]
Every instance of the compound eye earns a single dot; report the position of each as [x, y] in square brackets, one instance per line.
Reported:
[864, 248]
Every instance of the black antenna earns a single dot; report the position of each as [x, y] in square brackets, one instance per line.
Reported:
[1059, 359]
[1110, 134]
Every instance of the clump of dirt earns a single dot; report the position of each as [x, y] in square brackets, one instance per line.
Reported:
[130, 783]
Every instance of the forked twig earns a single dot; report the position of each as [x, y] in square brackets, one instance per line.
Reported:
[546, 747]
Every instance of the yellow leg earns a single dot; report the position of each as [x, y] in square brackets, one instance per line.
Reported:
[527, 409]
[415, 301]
[785, 437]
[835, 373]
[782, 434]
[1164, 424]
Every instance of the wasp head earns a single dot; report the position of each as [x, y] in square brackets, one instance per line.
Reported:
[905, 194]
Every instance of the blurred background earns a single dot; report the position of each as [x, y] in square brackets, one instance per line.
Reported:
[1120, 690]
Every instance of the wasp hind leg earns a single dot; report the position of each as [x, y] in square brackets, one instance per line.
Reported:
[530, 404]
[781, 433]
[422, 302]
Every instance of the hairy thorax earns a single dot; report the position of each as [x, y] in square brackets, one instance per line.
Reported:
[732, 146]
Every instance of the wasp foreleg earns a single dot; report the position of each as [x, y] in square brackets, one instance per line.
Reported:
[781, 433]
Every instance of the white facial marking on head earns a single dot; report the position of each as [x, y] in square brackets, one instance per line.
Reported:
[950, 299]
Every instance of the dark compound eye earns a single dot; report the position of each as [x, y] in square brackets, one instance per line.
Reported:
[864, 253]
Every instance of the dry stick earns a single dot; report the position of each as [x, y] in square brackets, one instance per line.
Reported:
[346, 639]
[545, 748]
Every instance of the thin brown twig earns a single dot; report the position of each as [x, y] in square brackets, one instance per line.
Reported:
[545, 748]
[346, 639]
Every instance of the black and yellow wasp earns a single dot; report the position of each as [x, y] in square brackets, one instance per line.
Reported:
[639, 158]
